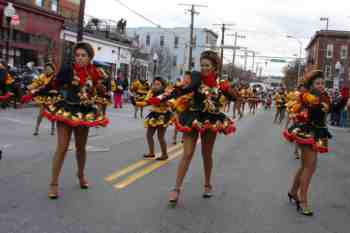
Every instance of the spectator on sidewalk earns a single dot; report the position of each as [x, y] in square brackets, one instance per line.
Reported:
[118, 93]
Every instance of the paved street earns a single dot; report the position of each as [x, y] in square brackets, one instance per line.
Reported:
[253, 170]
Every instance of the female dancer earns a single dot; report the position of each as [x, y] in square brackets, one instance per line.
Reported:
[280, 102]
[83, 97]
[139, 89]
[203, 118]
[158, 119]
[311, 134]
[5, 82]
[41, 100]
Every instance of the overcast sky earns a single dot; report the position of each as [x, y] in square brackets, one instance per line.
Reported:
[265, 23]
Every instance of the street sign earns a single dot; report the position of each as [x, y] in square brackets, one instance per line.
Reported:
[15, 20]
[278, 60]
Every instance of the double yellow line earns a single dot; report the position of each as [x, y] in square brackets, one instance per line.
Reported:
[174, 152]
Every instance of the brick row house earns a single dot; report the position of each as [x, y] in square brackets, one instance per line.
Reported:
[37, 37]
[328, 50]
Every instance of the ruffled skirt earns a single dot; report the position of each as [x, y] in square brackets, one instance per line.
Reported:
[156, 119]
[75, 115]
[306, 134]
[202, 122]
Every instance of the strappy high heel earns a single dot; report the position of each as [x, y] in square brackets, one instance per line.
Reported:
[53, 193]
[174, 196]
[149, 156]
[83, 183]
[293, 198]
[208, 191]
[162, 158]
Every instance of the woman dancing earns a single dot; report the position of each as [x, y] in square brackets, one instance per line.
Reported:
[201, 118]
[83, 95]
[311, 135]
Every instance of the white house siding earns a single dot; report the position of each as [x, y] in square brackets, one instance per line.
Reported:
[181, 53]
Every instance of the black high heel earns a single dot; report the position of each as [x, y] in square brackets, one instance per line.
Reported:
[208, 191]
[174, 196]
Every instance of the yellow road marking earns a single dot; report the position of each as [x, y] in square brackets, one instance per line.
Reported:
[132, 178]
[135, 166]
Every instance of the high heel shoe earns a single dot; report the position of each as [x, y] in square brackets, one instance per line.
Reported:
[293, 198]
[83, 183]
[304, 210]
[53, 193]
[208, 191]
[174, 196]
[162, 158]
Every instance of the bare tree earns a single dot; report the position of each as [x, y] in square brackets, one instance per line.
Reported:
[290, 71]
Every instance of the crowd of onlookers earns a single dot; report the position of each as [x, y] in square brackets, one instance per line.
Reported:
[340, 115]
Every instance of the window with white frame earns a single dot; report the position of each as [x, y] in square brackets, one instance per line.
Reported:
[39, 2]
[328, 71]
[344, 52]
[54, 5]
[330, 48]
[176, 42]
[175, 60]
[148, 40]
[161, 41]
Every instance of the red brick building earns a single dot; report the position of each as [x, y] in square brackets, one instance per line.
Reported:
[325, 50]
[37, 37]
[69, 9]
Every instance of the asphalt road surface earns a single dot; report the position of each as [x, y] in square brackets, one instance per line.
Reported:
[252, 173]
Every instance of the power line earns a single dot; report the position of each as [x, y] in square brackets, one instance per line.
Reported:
[137, 13]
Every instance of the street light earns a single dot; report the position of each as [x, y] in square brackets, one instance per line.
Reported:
[155, 60]
[9, 12]
[300, 54]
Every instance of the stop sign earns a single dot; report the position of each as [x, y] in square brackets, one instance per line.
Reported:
[15, 20]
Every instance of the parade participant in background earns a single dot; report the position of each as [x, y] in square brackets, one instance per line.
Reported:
[83, 97]
[139, 89]
[244, 97]
[45, 98]
[5, 85]
[158, 119]
[237, 103]
[186, 80]
[311, 134]
[201, 117]
[280, 102]
[291, 106]
[253, 100]
[118, 92]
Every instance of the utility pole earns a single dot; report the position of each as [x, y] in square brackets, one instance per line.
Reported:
[236, 35]
[223, 30]
[80, 33]
[245, 59]
[193, 12]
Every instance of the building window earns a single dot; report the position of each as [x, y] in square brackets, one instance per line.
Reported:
[176, 42]
[328, 71]
[194, 41]
[54, 5]
[330, 51]
[344, 52]
[161, 41]
[175, 61]
[148, 40]
[39, 3]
